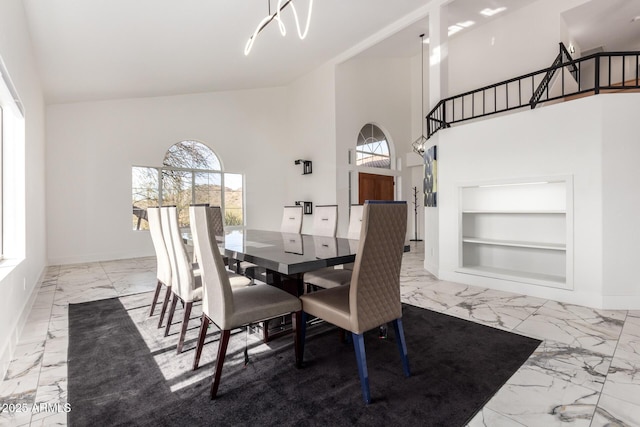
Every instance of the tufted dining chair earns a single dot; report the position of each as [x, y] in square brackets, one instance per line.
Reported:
[163, 265]
[330, 277]
[228, 307]
[373, 296]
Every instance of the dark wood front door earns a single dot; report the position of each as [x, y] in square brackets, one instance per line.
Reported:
[374, 187]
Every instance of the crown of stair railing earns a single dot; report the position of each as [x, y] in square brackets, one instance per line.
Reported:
[565, 79]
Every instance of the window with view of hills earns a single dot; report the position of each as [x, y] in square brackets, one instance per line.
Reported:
[191, 173]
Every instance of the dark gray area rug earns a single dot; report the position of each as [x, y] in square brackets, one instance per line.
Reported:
[123, 371]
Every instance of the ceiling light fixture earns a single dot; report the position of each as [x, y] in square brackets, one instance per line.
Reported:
[419, 144]
[490, 12]
[277, 16]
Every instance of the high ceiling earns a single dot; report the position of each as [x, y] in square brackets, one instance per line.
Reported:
[106, 49]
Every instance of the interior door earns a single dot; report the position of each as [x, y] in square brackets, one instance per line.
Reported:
[375, 187]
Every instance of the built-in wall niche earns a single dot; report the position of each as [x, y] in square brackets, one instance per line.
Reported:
[518, 230]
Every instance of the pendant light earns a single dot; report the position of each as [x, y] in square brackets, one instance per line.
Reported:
[420, 143]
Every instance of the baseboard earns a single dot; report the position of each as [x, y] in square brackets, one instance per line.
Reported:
[621, 302]
[6, 355]
[98, 257]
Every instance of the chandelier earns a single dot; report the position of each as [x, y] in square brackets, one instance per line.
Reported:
[278, 18]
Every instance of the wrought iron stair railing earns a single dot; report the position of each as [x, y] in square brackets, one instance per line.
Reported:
[566, 79]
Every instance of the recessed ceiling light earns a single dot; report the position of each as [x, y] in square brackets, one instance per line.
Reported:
[490, 12]
[635, 18]
[466, 24]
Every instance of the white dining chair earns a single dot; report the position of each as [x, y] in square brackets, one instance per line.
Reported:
[331, 277]
[187, 286]
[228, 307]
[291, 219]
[163, 265]
[325, 220]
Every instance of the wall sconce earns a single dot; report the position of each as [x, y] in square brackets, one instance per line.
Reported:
[307, 207]
[306, 166]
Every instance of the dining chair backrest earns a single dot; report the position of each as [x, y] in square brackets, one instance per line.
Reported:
[355, 222]
[217, 298]
[162, 257]
[374, 295]
[216, 224]
[168, 242]
[184, 266]
[291, 219]
[325, 220]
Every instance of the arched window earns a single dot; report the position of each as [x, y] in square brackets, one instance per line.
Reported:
[191, 173]
[372, 149]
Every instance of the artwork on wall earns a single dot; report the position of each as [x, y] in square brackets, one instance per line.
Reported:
[430, 177]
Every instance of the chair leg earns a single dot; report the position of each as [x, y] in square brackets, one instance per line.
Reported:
[222, 351]
[402, 346]
[361, 357]
[155, 297]
[201, 337]
[167, 297]
[172, 310]
[301, 338]
[296, 323]
[185, 325]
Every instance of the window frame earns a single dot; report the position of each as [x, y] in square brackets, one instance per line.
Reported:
[194, 171]
[369, 140]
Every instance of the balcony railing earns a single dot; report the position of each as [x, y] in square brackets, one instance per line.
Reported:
[566, 79]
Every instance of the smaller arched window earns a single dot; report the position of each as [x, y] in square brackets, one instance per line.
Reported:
[372, 149]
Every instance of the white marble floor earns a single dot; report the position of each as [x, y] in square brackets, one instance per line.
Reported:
[585, 373]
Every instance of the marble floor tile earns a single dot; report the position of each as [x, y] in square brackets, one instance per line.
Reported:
[612, 412]
[596, 332]
[576, 365]
[536, 399]
[488, 418]
[497, 309]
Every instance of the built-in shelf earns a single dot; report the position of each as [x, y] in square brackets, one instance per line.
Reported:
[516, 243]
[517, 231]
[502, 211]
[515, 275]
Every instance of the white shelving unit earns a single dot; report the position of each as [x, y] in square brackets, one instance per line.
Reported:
[518, 230]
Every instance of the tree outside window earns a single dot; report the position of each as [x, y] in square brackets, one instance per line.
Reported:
[191, 173]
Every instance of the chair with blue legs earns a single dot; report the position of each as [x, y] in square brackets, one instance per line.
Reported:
[372, 298]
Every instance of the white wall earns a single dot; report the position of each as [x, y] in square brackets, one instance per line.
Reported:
[373, 90]
[620, 200]
[597, 150]
[520, 42]
[92, 147]
[310, 130]
[20, 278]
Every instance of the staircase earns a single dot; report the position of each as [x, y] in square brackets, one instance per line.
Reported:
[566, 79]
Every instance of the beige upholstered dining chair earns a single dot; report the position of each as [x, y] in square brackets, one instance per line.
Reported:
[291, 219]
[373, 296]
[228, 307]
[330, 277]
[325, 220]
[186, 285]
[163, 265]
